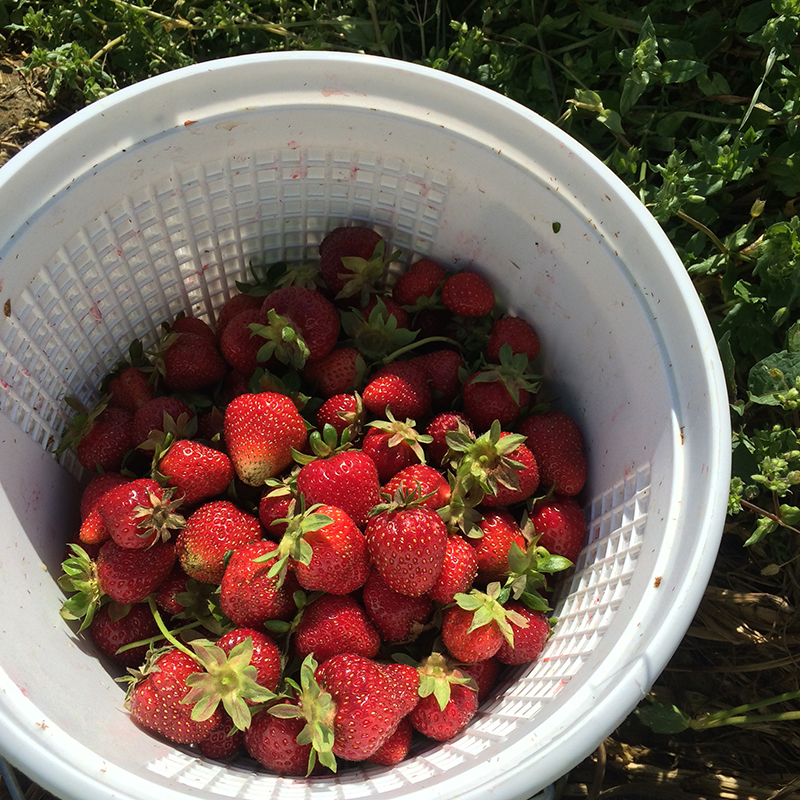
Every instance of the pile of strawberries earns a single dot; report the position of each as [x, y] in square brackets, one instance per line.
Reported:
[324, 526]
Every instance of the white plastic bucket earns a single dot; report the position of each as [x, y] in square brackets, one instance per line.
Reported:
[155, 199]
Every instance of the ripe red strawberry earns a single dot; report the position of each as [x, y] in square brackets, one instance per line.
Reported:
[438, 429]
[341, 411]
[266, 656]
[224, 741]
[527, 478]
[158, 415]
[93, 530]
[234, 305]
[468, 294]
[326, 550]
[248, 595]
[420, 481]
[168, 590]
[401, 388]
[193, 325]
[274, 508]
[301, 325]
[192, 363]
[485, 674]
[466, 643]
[347, 479]
[364, 250]
[398, 617]
[335, 624]
[445, 723]
[408, 547]
[515, 332]
[417, 286]
[394, 445]
[561, 524]
[130, 390]
[196, 471]
[396, 747]
[369, 700]
[443, 370]
[459, 570]
[557, 444]
[393, 308]
[487, 398]
[500, 530]
[272, 741]
[138, 513]
[155, 703]
[528, 641]
[216, 527]
[260, 431]
[339, 372]
[129, 576]
[240, 344]
[106, 439]
[97, 487]
[110, 631]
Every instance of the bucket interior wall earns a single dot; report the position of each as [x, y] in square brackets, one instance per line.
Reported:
[168, 221]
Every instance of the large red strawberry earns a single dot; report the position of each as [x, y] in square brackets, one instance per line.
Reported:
[422, 483]
[400, 387]
[443, 723]
[266, 657]
[347, 479]
[499, 531]
[192, 362]
[398, 617]
[116, 626]
[408, 547]
[260, 431]
[196, 471]
[213, 529]
[102, 443]
[394, 445]
[468, 294]
[335, 624]
[129, 576]
[459, 570]
[557, 444]
[419, 285]
[352, 260]
[156, 702]
[161, 414]
[301, 325]
[249, 596]
[98, 485]
[340, 372]
[529, 641]
[517, 334]
[370, 700]
[561, 525]
[138, 513]
[130, 389]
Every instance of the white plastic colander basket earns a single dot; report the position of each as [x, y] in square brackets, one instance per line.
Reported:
[156, 199]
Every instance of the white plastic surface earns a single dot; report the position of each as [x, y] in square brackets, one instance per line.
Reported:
[157, 198]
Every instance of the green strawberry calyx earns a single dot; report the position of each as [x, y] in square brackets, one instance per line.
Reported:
[283, 341]
[487, 607]
[159, 517]
[403, 433]
[512, 371]
[377, 334]
[318, 709]
[79, 576]
[437, 674]
[363, 273]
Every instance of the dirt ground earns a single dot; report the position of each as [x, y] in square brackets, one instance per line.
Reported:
[742, 646]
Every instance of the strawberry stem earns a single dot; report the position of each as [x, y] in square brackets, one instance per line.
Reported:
[168, 635]
[153, 639]
[401, 351]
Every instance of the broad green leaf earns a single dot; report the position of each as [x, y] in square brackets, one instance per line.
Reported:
[663, 718]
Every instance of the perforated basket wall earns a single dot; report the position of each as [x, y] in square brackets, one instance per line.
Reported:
[158, 199]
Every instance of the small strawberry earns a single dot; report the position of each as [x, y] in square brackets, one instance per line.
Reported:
[156, 702]
[342, 412]
[266, 658]
[396, 747]
[140, 512]
[273, 741]
[529, 641]
[234, 305]
[101, 438]
[129, 576]
[499, 531]
[557, 444]
[93, 530]
[173, 586]
[213, 529]
[400, 387]
[422, 483]
[248, 595]
[352, 260]
[116, 626]
[340, 372]
[459, 570]
[301, 325]
[275, 508]
[325, 549]
[398, 617]
[448, 700]
[129, 390]
[522, 484]
[408, 547]
[260, 432]
[468, 294]
[438, 428]
[394, 445]
[240, 344]
[420, 285]
[515, 332]
[443, 369]
[560, 525]
[348, 480]
[197, 472]
[335, 624]
[162, 415]
[192, 362]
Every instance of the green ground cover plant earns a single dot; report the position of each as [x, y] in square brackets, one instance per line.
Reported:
[694, 104]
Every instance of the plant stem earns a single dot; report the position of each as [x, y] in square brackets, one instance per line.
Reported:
[765, 513]
[167, 633]
[706, 230]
